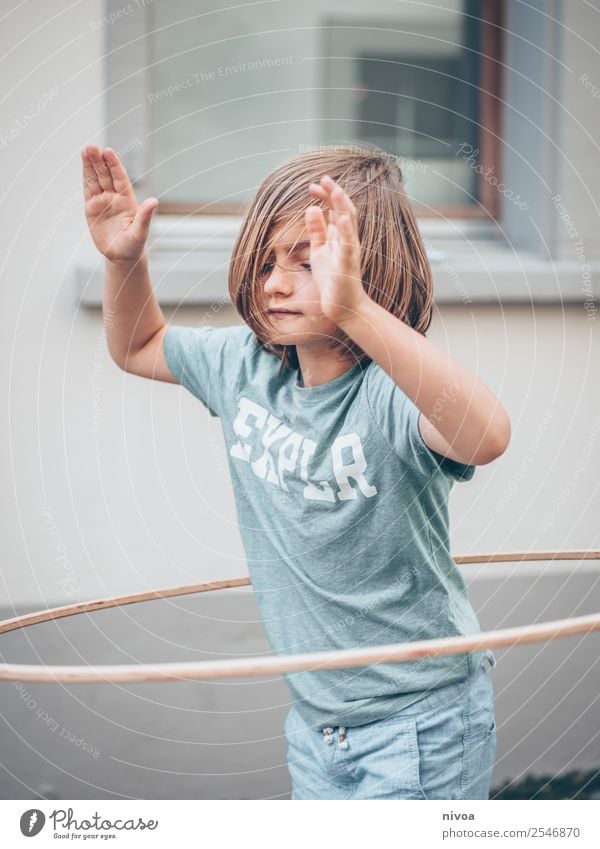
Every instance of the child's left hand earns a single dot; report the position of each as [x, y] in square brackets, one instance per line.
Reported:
[335, 252]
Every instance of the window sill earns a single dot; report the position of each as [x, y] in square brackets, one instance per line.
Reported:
[471, 263]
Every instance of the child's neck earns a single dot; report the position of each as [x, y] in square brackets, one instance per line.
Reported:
[317, 368]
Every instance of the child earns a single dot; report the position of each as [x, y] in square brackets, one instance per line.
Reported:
[345, 429]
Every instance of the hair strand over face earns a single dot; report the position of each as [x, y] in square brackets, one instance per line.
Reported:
[395, 270]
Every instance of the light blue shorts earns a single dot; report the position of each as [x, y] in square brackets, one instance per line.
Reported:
[441, 747]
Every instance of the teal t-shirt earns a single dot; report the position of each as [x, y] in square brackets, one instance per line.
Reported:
[343, 514]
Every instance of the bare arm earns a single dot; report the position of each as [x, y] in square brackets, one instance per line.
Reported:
[134, 322]
[135, 325]
[460, 417]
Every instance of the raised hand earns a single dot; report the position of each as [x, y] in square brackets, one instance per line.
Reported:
[118, 225]
[335, 252]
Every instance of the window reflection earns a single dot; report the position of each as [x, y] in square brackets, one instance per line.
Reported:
[234, 92]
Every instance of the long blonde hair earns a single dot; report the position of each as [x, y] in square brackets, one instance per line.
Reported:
[394, 266]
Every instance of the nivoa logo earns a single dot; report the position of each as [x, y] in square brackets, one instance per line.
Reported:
[32, 822]
[454, 815]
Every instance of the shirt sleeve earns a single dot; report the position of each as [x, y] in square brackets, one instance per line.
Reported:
[398, 420]
[200, 358]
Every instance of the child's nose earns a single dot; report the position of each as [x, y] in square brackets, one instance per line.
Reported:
[279, 280]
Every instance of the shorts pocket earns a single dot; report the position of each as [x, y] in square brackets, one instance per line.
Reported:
[387, 764]
[441, 743]
[480, 741]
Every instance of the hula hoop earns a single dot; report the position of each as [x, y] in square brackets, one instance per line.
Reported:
[282, 664]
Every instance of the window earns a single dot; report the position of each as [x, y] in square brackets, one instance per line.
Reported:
[200, 153]
[231, 92]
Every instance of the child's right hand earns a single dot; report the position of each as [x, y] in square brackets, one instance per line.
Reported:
[118, 226]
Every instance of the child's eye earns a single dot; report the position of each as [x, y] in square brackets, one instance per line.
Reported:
[266, 269]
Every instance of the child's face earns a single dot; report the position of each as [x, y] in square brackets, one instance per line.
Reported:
[287, 284]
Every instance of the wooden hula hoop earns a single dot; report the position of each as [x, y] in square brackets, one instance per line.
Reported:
[282, 664]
